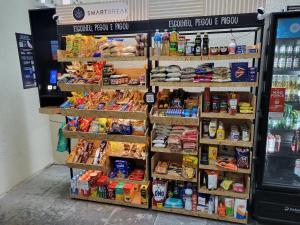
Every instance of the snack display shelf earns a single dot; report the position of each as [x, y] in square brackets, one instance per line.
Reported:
[99, 59]
[221, 192]
[215, 167]
[206, 58]
[179, 84]
[200, 214]
[237, 116]
[78, 87]
[167, 150]
[226, 142]
[140, 115]
[172, 177]
[106, 137]
[110, 201]
[172, 120]
[50, 110]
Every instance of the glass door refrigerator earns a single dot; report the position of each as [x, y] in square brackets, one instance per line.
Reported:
[277, 190]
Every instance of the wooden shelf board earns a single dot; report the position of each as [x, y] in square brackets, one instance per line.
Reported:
[125, 87]
[126, 156]
[240, 116]
[175, 120]
[172, 177]
[99, 59]
[203, 84]
[84, 166]
[167, 150]
[226, 142]
[78, 87]
[199, 214]
[205, 58]
[129, 181]
[214, 167]
[222, 192]
[50, 110]
[107, 137]
[109, 201]
[105, 114]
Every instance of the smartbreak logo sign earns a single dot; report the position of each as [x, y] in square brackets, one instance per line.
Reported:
[104, 12]
[78, 13]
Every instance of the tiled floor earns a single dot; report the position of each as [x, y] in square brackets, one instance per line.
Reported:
[44, 200]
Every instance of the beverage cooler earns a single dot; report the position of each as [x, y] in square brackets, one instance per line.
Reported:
[277, 189]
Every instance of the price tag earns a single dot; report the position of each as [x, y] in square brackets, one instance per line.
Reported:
[149, 98]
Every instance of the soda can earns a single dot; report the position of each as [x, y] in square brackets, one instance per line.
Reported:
[297, 167]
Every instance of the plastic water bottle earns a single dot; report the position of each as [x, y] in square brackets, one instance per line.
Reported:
[157, 43]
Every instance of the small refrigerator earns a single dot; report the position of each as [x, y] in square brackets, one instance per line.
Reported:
[277, 187]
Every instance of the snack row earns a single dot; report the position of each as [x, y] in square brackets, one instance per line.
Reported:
[83, 73]
[227, 157]
[230, 103]
[176, 138]
[236, 72]
[184, 195]
[177, 103]
[92, 46]
[107, 100]
[213, 180]
[186, 168]
[125, 169]
[96, 152]
[111, 77]
[215, 129]
[95, 184]
[107, 125]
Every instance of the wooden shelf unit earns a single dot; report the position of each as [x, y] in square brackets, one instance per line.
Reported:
[214, 167]
[50, 110]
[107, 137]
[142, 115]
[200, 214]
[226, 142]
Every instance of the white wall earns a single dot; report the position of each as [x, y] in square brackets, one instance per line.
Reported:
[25, 145]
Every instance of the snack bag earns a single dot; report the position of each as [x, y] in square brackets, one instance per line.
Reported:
[189, 165]
[94, 127]
[84, 124]
[69, 45]
[240, 209]
[72, 123]
[102, 125]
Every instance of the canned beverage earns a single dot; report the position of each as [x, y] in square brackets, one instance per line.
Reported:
[297, 167]
[240, 49]
[277, 142]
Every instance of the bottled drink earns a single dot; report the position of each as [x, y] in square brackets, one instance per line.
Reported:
[295, 141]
[276, 56]
[173, 42]
[289, 57]
[232, 47]
[205, 45]
[297, 167]
[198, 44]
[157, 43]
[282, 57]
[296, 56]
[165, 43]
[270, 148]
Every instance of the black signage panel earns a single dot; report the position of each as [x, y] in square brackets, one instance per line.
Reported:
[181, 24]
[25, 49]
[207, 22]
[104, 28]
